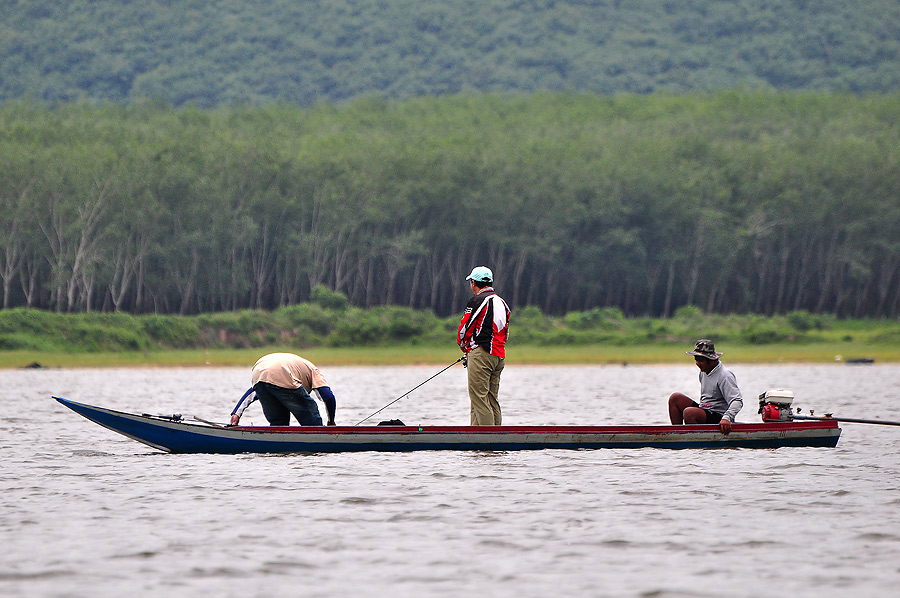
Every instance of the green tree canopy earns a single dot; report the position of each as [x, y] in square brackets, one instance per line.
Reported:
[733, 202]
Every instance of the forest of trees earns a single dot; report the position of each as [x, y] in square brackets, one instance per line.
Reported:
[735, 202]
[223, 52]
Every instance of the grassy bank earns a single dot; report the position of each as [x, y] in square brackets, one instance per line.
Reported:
[330, 332]
[829, 352]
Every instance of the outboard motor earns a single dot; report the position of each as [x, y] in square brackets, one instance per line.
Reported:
[775, 405]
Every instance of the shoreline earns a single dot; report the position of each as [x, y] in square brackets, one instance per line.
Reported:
[584, 355]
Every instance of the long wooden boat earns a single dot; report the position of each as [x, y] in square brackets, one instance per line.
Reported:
[173, 434]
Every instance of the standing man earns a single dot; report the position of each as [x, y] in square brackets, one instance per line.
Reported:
[720, 397]
[282, 383]
[482, 336]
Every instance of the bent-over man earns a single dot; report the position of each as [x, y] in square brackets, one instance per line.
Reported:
[283, 382]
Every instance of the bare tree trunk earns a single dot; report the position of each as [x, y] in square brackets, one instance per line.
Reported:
[87, 291]
[139, 288]
[318, 242]
[828, 265]
[518, 270]
[439, 264]
[262, 265]
[886, 276]
[803, 272]
[651, 277]
[670, 283]
[550, 296]
[12, 252]
[414, 284]
[10, 265]
[371, 290]
[190, 282]
[861, 296]
[129, 261]
[29, 280]
[693, 276]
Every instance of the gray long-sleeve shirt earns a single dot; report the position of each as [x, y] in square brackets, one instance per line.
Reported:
[719, 392]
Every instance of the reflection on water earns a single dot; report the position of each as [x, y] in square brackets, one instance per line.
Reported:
[88, 512]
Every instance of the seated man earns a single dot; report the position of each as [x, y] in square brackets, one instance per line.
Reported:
[283, 382]
[720, 397]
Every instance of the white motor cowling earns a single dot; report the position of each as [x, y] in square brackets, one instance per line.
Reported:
[775, 405]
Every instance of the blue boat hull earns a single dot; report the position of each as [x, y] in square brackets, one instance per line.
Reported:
[182, 437]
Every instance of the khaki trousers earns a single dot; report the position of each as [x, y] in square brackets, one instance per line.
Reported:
[484, 387]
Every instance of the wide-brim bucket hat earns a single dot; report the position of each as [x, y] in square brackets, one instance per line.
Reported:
[705, 348]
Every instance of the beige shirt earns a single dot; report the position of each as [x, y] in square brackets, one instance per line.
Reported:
[288, 371]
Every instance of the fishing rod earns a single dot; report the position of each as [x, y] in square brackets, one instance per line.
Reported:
[412, 389]
[851, 420]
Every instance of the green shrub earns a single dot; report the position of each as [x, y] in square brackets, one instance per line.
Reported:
[382, 324]
[358, 328]
[404, 323]
[23, 341]
[530, 316]
[34, 321]
[115, 319]
[178, 332]
[441, 331]
[888, 337]
[689, 313]
[325, 297]
[308, 316]
[606, 317]
[94, 337]
[245, 322]
[561, 337]
[804, 321]
[762, 334]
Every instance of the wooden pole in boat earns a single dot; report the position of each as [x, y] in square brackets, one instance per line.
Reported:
[177, 417]
[412, 389]
[882, 422]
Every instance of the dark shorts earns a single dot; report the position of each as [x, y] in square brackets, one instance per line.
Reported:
[711, 416]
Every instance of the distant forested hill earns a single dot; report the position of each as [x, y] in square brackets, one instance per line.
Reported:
[215, 52]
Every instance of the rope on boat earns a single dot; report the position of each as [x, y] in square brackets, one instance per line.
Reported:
[412, 389]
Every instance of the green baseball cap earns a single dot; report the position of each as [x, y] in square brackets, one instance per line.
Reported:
[481, 274]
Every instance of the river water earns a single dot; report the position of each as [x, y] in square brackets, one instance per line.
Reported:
[86, 512]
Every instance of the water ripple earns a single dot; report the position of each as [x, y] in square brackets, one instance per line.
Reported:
[84, 508]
